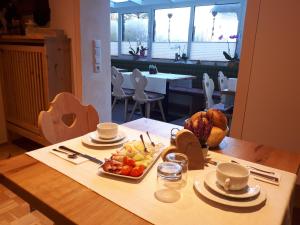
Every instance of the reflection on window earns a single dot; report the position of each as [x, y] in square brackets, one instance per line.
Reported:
[215, 31]
[171, 32]
[135, 32]
[114, 33]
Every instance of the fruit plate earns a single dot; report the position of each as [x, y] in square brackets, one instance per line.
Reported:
[155, 157]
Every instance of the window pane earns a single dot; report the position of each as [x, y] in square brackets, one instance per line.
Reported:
[114, 27]
[172, 25]
[135, 32]
[135, 27]
[216, 28]
[114, 33]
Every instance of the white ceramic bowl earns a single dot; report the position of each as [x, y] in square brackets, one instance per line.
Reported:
[232, 176]
[107, 130]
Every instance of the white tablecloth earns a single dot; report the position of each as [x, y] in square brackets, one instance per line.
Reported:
[158, 82]
[190, 209]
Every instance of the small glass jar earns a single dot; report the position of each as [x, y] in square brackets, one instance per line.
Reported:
[169, 182]
[183, 161]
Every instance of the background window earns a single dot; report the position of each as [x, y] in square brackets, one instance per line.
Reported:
[170, 32]
[114, 33]
[215, 31]
[135, 31]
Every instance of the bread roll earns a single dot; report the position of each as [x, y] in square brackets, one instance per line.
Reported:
[218, 118]
[216, 136]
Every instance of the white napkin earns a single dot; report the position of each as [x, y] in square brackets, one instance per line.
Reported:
[76, 161]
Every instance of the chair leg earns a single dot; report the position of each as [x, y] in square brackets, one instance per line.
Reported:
[125, 109]
[161, 110]
[133, 110]
[114, 103]
[148, 108]
[141, 109]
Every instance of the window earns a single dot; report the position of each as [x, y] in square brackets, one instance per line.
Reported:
[215, 31]
[114, 33]
[170, 32]
[135, 32]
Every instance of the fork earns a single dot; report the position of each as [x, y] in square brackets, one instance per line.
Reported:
[142, 138]
[152, 143]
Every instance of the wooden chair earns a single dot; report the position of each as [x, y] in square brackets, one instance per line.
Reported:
[67, 118]
[118, 92]
[141, 97]
[208, 87]
[227, 100]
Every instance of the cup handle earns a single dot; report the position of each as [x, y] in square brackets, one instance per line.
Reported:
[227, 184]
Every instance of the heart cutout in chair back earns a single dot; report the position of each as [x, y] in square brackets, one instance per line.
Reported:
[68, 119]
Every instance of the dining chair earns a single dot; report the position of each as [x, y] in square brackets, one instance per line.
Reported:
[141, 97]
[66, 118]
[209, 87]
[223, 82]
[118, 92]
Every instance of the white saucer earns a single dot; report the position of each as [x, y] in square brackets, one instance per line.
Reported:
[251, 190]
[240, 203]
[94, 136]
[87, 140]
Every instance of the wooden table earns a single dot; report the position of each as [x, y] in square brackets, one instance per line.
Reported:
[67, 202]
[228, 92]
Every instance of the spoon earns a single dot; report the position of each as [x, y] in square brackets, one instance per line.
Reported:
[251, 167]
[71, 156]
[145, 149]
[152, 143]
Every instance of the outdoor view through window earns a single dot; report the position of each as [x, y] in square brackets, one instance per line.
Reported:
[197, 33]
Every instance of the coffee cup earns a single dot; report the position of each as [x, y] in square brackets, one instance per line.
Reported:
[107, 130]
[232, 176]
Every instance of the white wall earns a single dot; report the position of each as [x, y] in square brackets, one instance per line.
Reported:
[95, 24]
[83, 21]
[268, 95]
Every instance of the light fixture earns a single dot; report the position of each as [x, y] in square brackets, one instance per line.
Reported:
[118, 1]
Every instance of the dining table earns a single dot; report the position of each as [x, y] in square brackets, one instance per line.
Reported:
[78, 194]
[160, 83]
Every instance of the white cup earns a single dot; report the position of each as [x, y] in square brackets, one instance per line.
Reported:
[107, 130]
[232, 176]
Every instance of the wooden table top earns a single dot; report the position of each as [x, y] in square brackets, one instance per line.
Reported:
[68, 202]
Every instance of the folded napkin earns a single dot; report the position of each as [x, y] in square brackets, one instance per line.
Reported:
[77, 160]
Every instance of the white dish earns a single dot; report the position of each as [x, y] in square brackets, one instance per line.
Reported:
[86, 140]
[201, 188]
[94, 136]
[249, 191]
[155, 158]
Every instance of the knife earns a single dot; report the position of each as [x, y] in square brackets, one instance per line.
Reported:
[90, 158]
[266, 176]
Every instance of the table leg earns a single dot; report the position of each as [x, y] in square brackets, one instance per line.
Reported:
[166, 101]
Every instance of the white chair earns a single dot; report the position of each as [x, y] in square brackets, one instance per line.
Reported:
[141, 97]
[227, 100]
[208, 87]
[118, 92]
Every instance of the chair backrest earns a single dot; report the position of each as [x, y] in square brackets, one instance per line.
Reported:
[67, 118]
[139, 83]
[223, 84]
[208, 87]
[117, 80]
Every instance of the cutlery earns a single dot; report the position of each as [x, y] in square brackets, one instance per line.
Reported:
[145, 149]
[251, 167]
[92, 159]
[152, 143]
[265, 176]
[71, 156]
